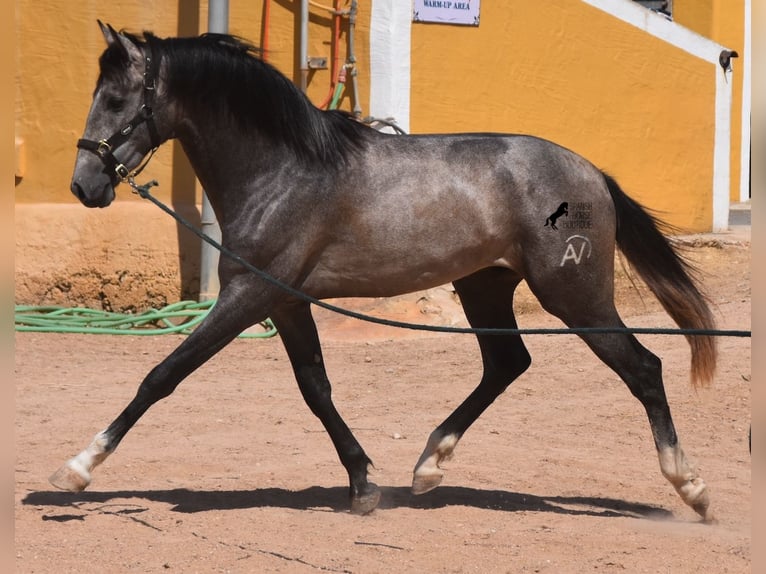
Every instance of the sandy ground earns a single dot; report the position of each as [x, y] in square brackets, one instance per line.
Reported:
[233, 473]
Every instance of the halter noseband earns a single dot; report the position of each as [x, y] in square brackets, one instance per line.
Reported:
[105, 148]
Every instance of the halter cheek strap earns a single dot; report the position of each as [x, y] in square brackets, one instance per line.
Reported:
[105, 148]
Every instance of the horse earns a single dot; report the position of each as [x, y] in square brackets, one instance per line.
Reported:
[334, 208]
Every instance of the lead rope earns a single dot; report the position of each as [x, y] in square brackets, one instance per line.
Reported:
[143, 191]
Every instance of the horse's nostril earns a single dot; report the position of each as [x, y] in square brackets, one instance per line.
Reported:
[77, 191]
[93, 197]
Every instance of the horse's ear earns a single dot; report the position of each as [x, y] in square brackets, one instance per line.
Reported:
[110, 35]
[113, 37]
[133, 51]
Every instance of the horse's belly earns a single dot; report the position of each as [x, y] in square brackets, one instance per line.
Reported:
[377, 278]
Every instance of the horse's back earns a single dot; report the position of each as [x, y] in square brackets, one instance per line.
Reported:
[509, 172]
[488, 186]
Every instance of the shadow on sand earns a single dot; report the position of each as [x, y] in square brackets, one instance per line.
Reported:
[335, 499]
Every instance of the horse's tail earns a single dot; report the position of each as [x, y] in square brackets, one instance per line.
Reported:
[668, 275]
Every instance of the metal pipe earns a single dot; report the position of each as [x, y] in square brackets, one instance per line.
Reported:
[352, 58]
[218, 16]
[266, 26]
[209, 285]
[303, 50]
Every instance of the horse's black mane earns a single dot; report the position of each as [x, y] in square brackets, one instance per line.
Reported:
[223, 74]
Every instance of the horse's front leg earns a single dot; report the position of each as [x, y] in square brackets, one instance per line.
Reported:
[238, 307]
[299, 335]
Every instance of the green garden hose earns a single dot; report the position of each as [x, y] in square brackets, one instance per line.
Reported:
[180, 318]
[336, 96]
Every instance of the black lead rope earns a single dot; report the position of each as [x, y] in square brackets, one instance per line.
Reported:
[143, 191]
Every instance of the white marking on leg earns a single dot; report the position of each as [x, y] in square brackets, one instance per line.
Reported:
[75, 474]
[427, 474]
[688, 484]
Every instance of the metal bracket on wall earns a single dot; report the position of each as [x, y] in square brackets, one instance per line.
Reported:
[317, 63]
[724, 59]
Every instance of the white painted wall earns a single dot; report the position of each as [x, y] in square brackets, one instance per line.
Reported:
[390, 61]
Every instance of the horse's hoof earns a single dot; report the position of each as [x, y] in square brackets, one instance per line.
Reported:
[702, 508]
[70, 478]
[422, 483]
[695, 494]
[367, 501]
[708, 518]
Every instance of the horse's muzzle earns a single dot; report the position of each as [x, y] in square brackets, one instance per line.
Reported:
[101, 198]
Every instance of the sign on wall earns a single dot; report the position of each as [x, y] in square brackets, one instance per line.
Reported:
[464, 12]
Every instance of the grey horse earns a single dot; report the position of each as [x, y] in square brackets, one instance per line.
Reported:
[334, 208]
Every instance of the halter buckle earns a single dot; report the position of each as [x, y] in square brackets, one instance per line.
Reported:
[103, 148]
[122, 172]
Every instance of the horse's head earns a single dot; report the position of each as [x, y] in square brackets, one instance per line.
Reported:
[122, 126]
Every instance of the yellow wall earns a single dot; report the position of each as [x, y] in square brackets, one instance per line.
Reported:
[58, 45]
[131, 255]
[722, 21]
[697, 15]
[560, 69]
[632, 104]
[536, 67]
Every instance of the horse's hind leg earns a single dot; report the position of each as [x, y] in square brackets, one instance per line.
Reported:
[299, 335]
[236, 309]
[642, 372]
[487, 298]
[591, 305]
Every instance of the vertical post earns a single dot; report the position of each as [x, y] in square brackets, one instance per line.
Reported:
[357, 108]
[217, 22]
[303, 51]
[390, 61]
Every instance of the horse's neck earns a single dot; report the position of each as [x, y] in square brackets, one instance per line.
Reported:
[220, 155]
[233, 168]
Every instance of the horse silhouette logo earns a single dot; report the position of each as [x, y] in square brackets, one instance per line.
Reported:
[563, 209]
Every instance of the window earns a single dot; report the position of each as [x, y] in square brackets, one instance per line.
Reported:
[664, 7]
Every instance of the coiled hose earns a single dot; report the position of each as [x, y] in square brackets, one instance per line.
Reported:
[180, 318]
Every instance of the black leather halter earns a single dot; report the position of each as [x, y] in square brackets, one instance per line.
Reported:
[105, 148]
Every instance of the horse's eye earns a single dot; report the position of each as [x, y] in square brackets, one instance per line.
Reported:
[115, 104]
